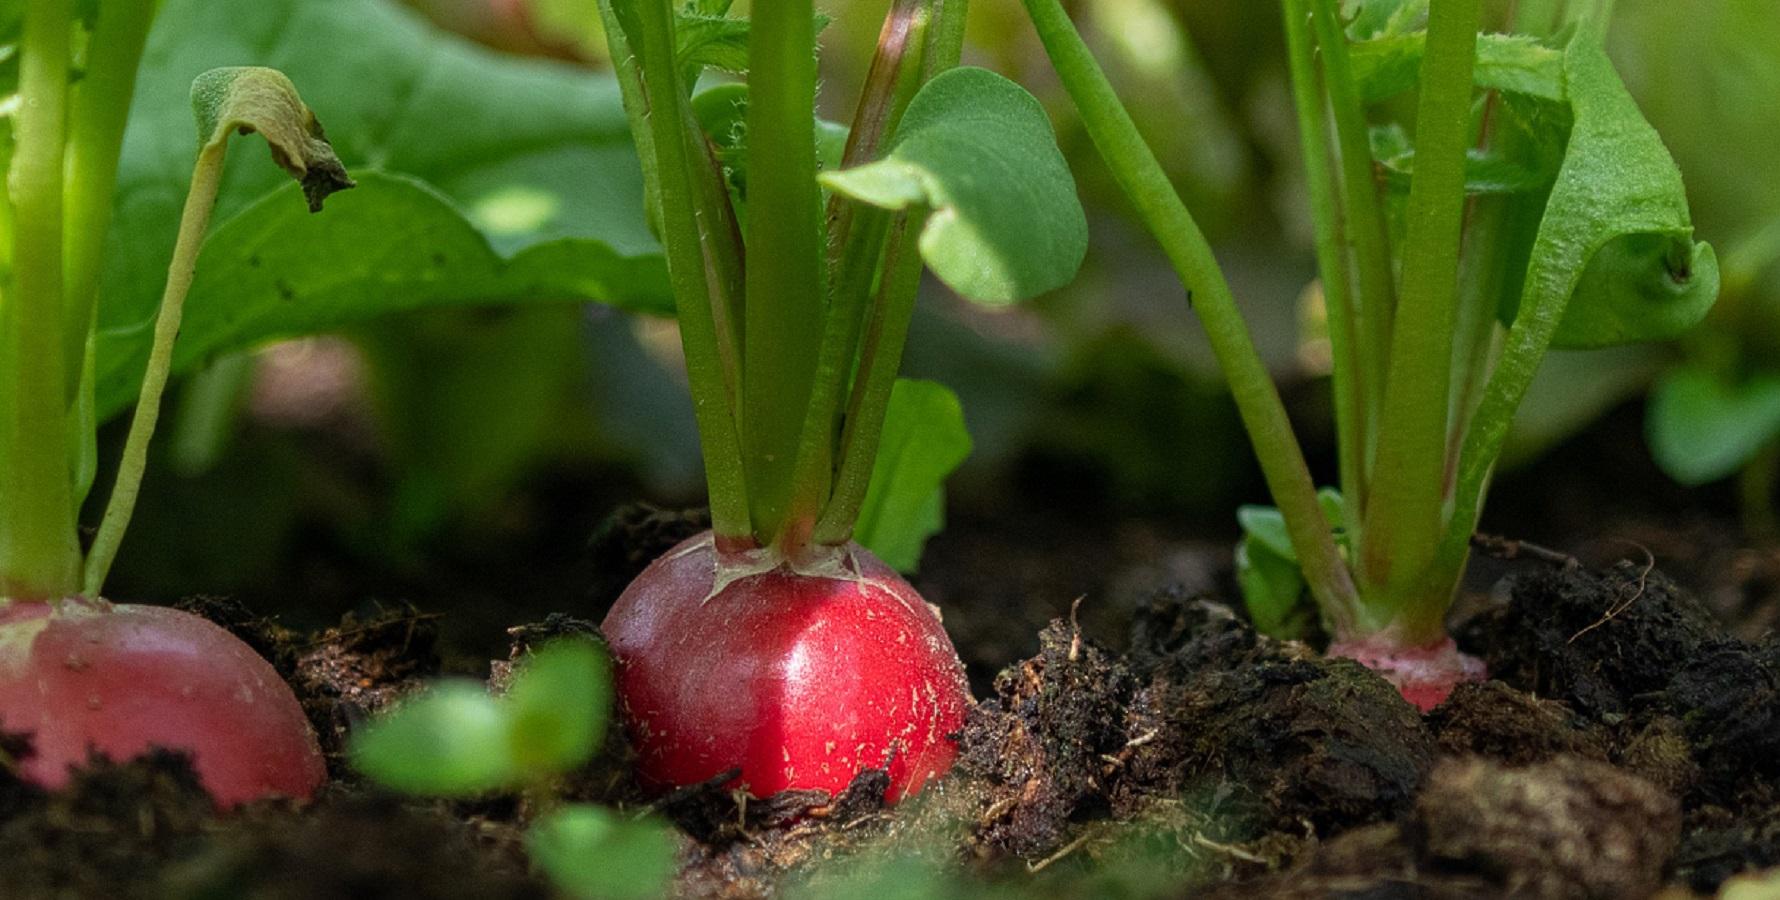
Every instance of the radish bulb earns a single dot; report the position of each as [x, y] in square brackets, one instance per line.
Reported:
[86, 675]
[800, 677]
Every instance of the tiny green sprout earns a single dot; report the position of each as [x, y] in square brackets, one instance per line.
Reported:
[1527, 204]
[458, 740]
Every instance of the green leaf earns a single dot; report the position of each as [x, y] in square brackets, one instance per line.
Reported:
[1272, 589]
[1387, 66]
[559, 704]
[1267, 566]
[924, 440]
[413, 251]
[977, 151]
[451, 741]
[1615, 250]
[484, 179]
[595, 854]
[1702, 428]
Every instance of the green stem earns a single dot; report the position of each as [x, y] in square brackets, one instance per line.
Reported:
[39, 545]
[1257, 400]
[1349, 375]
[663, 120]
[1404, 517]
[880, 358]
[98, 109]
[858, 233]
[1375, 302]
[896, 262]
[194, 222]
[786, 294]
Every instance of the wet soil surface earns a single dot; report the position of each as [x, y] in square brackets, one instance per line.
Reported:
[1147, 743]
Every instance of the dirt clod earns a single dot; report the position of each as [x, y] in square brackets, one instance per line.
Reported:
[1567, 827]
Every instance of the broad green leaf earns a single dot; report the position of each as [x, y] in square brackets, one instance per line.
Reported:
[1615, 250]
[451, 741]
[977, 151]
[1702, 428]
[414, 251]
[593, 853]
[924, 440]
[1386, 66]
[485, 179]
[560, 703]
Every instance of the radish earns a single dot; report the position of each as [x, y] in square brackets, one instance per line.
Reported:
[798, 679]
[81, 675]
[85, 676]
[776, 644]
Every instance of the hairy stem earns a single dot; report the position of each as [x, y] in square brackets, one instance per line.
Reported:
[1166, 216]
[857, 232]
[880, 357]
[194, 222]
[1405, 516]
[936, 44]
[39, 545]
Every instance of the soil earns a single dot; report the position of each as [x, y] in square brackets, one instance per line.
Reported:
[1143, 742]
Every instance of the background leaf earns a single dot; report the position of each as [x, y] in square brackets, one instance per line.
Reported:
[484, 178]
[1387, 66]
[978, 150]
[1702, 428]
[924, 440]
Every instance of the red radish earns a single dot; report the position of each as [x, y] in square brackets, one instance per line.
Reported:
[800, 680]
[1425, 675]
[122, 678]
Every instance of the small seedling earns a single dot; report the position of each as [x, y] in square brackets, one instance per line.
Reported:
[1527, 205]
[76, 672]
[775, 644]
[458, 741]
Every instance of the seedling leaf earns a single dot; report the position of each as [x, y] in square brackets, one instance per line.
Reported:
[924, 440]
[595, 854]
[1702, 427]
[559, 705]
[450, 742]
[976, 151]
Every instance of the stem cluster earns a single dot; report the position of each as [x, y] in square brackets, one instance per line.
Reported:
[793, 310]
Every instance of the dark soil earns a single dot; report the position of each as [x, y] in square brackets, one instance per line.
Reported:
[1146, 744]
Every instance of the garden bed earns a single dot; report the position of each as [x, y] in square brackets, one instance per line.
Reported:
[1154, 744]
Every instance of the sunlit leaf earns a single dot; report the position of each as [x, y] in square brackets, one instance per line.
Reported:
[978, 152]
